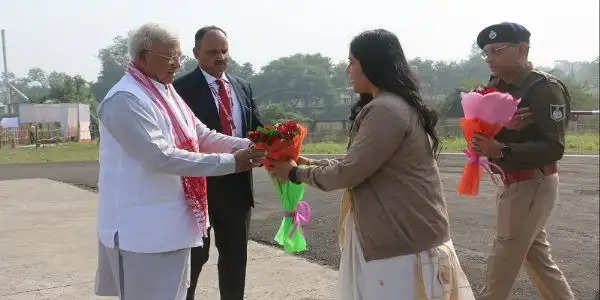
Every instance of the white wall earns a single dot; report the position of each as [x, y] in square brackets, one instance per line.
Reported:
[84, 122]
[74, 118]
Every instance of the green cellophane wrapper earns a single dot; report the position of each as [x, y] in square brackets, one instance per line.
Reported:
[289, 195]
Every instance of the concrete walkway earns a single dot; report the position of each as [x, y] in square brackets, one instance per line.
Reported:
[48, 250]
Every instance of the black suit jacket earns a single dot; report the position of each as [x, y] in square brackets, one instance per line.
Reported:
[233, 191]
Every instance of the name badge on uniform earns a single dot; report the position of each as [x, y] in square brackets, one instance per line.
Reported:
[557, 112]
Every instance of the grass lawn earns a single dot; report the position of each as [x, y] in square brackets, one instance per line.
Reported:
[324, 148]
[584, 143]
[49, 153]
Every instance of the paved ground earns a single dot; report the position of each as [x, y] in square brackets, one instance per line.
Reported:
[573, 227]
[48, 251]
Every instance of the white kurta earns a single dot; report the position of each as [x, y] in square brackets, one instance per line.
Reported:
[410, 277]
[145, 228]
[140, 192]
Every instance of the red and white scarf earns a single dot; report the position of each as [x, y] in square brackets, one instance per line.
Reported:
[193, 187]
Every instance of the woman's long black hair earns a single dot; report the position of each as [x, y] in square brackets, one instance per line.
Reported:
[384, 64]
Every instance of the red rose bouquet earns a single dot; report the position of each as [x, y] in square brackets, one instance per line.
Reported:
[283, 142]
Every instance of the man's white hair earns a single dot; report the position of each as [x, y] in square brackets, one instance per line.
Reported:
[141, 39]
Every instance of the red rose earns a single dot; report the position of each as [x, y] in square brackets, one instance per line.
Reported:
[253, 136]
[271, 140]
[291, 129]
[262, 137]
[282, 129]
[292, 126]
[485, 90]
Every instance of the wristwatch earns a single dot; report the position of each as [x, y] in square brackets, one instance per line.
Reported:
[293, 175]
[505, 152]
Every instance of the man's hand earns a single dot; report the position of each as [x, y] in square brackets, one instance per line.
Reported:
[523, 117]
[247, 159]
[281, 169]
[485, 146]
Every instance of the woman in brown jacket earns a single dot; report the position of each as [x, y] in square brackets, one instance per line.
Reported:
[395, 239]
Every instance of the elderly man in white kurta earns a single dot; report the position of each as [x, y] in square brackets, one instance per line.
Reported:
[152, 194]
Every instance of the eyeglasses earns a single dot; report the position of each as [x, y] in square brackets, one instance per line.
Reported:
[170, 59]
[495, 52]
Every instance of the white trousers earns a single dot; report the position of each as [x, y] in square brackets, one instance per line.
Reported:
[148, 276]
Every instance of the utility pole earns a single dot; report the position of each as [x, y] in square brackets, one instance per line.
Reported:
[5, 71]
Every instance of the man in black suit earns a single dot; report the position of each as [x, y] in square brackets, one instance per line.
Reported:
[224, 103]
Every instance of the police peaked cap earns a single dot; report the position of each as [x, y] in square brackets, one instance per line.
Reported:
[503, 33]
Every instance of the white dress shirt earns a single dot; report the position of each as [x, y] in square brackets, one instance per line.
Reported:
[236, 108]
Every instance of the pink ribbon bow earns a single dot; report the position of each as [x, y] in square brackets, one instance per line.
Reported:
[486, 165]
[300, 216]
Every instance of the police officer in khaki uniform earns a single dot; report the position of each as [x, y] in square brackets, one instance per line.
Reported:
[527, 149]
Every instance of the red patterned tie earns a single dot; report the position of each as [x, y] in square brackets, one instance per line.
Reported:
[225, 116]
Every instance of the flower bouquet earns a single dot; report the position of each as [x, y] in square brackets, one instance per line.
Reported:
[486, 110]
[283, 141]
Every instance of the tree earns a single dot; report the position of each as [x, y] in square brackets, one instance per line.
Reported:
[38, 75]
[114, 59]
[451, 106]
[590, 73]
[276, 112]
[474, 70]
[442, 78]
[188, 64]
[299, 80]
[37, 88]
[340, 79]
[425, 73]
[21, 83]
[581, 91]
[582, 71]
[584, 95]
[245, 71]
[58, 86]
[65, 88]
[34, 86]
[581, 98]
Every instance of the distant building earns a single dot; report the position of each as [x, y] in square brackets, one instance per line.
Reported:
[74, 118]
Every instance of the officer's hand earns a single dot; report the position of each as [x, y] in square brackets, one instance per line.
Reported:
[485, 146]
[247, 159]
[523, 117]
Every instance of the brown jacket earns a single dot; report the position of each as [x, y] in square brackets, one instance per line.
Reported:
[397, 200]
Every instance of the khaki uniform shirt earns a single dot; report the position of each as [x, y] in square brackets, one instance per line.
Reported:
[543, 141]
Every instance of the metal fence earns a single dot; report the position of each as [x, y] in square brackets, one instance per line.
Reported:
[11, 137]
[583, 123]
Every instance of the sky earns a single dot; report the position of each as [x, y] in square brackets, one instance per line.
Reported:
[65, 36]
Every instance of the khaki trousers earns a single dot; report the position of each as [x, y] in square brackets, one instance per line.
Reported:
[523, 209]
